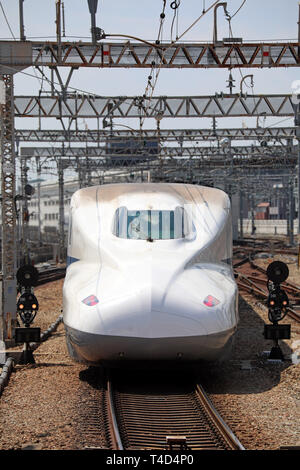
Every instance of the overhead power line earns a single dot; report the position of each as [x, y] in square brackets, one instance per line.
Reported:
[7, 22]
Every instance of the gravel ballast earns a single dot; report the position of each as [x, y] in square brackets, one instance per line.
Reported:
[43, 405]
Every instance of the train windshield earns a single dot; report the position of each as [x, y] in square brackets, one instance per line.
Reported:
[151, 224]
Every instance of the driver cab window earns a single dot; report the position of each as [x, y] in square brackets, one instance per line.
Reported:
[151, 224]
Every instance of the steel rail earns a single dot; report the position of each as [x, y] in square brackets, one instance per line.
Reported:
[51, 275]
[114, 429]
[154, 414]
[223, 428]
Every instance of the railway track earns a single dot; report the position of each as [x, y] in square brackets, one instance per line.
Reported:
[49, 275]
[252, 278]
[261, 245]
[164, 413]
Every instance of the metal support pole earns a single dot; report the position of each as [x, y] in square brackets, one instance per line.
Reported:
[61, 208]
[298, 184]
[297, 126]
[241, 214]
[88, 169]
[58, 29]
[298, 28]
[93, 5]
[159, 149]
[93, 28]
[253, 228]
[38, 171]
[9, 292]
[22, 31]
[79, 171]
[25, 246]
[287, 207]
[215, 35]
[291, 211]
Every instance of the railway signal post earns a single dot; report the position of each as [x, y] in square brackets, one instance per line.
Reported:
[27, 307]
[278, 302]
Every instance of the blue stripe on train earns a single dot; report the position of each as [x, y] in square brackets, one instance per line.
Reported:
[71, 259]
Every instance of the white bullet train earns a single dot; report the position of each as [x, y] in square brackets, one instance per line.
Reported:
[149, 274]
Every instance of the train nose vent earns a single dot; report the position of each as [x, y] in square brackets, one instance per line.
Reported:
[211, 301]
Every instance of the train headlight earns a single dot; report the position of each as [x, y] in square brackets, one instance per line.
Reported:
[211, 301]
[91, 300]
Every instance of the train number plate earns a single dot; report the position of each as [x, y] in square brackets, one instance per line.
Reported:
[27, 335]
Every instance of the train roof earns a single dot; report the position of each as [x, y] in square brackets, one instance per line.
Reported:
[178, 192]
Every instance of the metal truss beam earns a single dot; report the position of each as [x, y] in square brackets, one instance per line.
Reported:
[207, 159]
[147, 55]
[210, 162]
[87, 106]
[177, 135]
[167, 151]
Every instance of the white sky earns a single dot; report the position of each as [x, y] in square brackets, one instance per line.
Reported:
[257, 20]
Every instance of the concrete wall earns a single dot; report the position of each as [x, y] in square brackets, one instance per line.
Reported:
[272, 227]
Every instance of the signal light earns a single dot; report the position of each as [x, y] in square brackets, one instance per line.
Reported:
[27, 275]
[27, 302]
[272, 302]
[277, 272]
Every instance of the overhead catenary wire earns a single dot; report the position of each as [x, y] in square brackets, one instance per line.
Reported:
[151, 41]
[240, 7]
[229, 18]
[7, 22]
[165, 51]
[52, 82]
[175, 6]
[154, 45]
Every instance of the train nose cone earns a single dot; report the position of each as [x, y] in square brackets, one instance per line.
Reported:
[154, 312]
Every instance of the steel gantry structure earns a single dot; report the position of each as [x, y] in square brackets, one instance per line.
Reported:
[143, 54]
